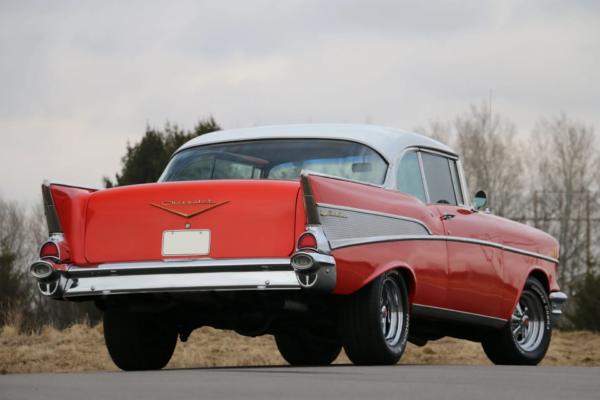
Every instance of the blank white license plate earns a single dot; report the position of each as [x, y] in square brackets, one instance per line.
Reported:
[186, 243]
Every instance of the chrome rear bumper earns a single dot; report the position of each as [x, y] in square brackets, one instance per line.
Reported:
[189, 275]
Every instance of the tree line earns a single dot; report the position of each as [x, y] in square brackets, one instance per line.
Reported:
[548, 179]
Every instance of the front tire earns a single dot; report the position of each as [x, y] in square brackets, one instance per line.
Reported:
[139, 341]
[373, 322]
[525, 339]
[307, 351]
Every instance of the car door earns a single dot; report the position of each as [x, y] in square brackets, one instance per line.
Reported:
[428, 258]
[475, 269]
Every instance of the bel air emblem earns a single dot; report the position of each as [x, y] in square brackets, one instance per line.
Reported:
[186, 203]
[333, 214]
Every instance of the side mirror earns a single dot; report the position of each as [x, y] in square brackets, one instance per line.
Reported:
[480, 199]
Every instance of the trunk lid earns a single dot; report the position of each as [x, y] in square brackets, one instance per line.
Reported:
[246, 218]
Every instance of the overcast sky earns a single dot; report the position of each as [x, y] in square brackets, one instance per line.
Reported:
[80, 79]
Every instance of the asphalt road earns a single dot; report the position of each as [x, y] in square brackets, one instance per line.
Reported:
[335, 382]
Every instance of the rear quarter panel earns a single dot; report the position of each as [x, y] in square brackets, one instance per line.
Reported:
[424, 261]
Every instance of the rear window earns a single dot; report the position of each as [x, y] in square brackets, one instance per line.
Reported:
[277, 159]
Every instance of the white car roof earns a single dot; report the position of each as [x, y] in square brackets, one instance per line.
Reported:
[389, 142]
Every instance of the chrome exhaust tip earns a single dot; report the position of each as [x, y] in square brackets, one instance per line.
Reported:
[41, 269]
[302, 261]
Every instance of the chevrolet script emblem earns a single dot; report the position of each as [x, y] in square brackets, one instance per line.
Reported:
[189, 202]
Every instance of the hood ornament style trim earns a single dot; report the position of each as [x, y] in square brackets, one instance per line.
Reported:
[192, 214]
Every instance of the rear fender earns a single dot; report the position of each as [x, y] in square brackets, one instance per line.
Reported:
[349, 286]
[65, 206]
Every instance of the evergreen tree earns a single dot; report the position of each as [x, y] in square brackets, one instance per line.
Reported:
[145, 161]
[586, 303]
[12, 280]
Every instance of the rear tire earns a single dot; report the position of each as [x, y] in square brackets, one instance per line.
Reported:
[139, 341]
[300, 351]
[373, 322]
[525, 338]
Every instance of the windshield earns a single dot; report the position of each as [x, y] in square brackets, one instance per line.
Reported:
[277, 159]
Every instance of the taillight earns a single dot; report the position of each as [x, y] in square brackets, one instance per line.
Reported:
[307, 241]
[50, 249]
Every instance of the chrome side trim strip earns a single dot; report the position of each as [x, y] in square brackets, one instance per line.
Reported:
[473, 241]
[106, 285]
[362, 210]
[531, 254]
[457, 316]
[341, 243]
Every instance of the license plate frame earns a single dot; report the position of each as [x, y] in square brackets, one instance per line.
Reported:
[189, 242]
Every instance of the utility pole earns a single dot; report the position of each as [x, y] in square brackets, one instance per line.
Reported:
[535, 209]
[588, 233]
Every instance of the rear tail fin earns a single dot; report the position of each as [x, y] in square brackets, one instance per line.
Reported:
[65, 206]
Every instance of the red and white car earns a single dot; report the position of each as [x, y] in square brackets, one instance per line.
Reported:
[325, 236]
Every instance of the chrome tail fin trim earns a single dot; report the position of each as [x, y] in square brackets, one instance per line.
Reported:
[312, 213]
[52, 220]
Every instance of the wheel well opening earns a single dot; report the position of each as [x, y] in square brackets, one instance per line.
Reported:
[409, 280]
[540, 276]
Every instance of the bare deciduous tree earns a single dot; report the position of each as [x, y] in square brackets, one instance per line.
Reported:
[492, 158]
[564, 163]
[490, 153]
[438, 130]
[21, 234]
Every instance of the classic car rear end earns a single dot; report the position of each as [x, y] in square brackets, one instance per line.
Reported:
[318, 235]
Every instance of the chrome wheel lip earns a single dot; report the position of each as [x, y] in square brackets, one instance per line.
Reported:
[391, 312]
[528, 322]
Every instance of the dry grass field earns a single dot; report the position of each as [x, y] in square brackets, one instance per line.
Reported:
[81, 348]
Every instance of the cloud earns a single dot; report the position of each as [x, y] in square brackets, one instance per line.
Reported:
[80, 80]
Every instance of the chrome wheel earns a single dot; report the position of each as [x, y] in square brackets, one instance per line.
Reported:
[527, 321]
[392, 313]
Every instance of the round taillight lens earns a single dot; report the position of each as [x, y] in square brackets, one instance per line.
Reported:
[307, 241]
[49, 249]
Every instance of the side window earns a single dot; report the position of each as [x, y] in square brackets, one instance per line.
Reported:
[409, 178]
[438, 178]
[456, 181]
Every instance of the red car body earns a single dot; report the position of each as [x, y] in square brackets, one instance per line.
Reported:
[465, 269]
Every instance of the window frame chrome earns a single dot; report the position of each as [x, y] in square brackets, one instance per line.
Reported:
[423, 177]
[463, 181]
[393, 185]
[455, 183]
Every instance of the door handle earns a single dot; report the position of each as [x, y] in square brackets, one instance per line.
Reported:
[447, 216]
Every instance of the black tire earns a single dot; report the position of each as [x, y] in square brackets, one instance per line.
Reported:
[525, 339]
[361, 322]
[307, 351]
[139, 341]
